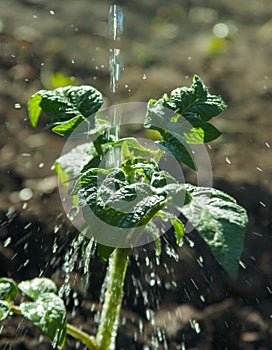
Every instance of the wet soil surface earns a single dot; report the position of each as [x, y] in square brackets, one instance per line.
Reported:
[193, 305]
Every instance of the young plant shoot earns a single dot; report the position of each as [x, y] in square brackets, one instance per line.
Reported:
[128, 196]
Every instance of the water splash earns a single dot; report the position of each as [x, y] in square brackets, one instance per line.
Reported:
[77, 257]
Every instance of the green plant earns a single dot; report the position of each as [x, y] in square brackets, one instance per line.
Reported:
[128, 197]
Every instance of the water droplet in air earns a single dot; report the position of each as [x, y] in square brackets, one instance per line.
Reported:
[73, 212]
[52, 12]
[7, 242]
[144, 77]
[25, 194]
[202, 298]
[228, 160]
[241, 263]
[195, 325]
[17, 106]
[221, 30]
[115, 21]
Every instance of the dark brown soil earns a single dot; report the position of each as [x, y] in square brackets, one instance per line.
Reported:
[196, 307]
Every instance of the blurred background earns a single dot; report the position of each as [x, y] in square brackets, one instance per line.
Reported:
[46, 44]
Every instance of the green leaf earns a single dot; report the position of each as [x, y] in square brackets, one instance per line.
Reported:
[179, 229]
[4, 310]
[220, 221]
[70, 165]
[160, 179]
[181, 119]
[152, 230]
[48, 313]
[65, 128]
[176, 223]
[178, 149]
[34, 109]
[194, 132]
[104, 252]
[62, 175]
[37, 286]
[66, 106]
[195, 101]
[131, 148]
[159, 117]
[116, 202]
[8, 289]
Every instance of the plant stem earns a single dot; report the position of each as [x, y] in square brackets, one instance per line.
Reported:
[108, 324]
[85, 338]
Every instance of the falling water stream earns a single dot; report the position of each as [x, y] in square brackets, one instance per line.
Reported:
[74, 259]
[116, 65]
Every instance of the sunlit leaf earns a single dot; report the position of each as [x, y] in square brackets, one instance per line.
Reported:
[181, 119]
[70, 165]
[131, 148]
[195, 101]
[37, 286]
[67, 106]
[176, 223]
[34, 109]
[8, 289]
[48, 313]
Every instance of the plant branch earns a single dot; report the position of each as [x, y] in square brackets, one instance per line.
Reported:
[82, 336]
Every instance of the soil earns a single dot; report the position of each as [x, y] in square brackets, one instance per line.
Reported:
[163, 45]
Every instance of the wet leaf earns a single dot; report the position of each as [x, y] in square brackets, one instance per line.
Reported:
[8, 289]
[70, 165]
[48, 313]
[37, 286]
[178, 148]
[176, 223]
[67, 107]
[4, 310]
[65, 128]
[195, 101]
[131, 149]
[181, 119]
[116, 202]
[199, 132]
[220, 221]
